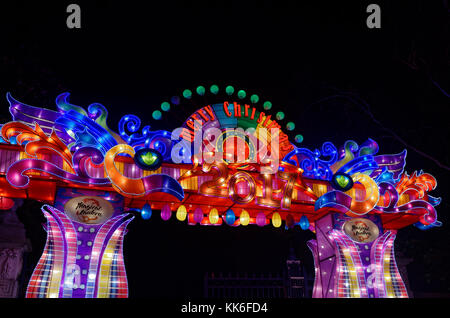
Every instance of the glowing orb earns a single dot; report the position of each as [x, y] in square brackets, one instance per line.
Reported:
[230, 217]
[254, 98]
[187, 94]
[201, 90]
[148, 159]
[267, 105]
[276, 219]
[213, 216]
[165, 106]
[298, 138]
[290, 126]
[156, 115]
[214, 89]
[244, 218]
[342, 182]
[181, 213]
[229, 90]
[146, 211]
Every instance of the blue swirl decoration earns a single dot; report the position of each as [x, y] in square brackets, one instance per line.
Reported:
[310, 162]
[87, 133]
[89, 129]
[159, 140]
[360, 164]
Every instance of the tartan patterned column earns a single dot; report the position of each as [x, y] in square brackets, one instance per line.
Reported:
[348, 268]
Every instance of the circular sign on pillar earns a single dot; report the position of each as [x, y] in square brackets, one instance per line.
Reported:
[361, 230]
[88, 210]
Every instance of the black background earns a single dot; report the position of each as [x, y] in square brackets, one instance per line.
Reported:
[316, 61]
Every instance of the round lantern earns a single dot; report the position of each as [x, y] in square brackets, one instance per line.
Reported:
[146, 211]
[244, 218]
[213, 216]
[276, 219]
[290, 221]
[6, 203]
[261, 219]
[198, 215]
[230, 217]
[304, 223]
[342, 181]
[148, 159]
[181, 213]
[166, 213]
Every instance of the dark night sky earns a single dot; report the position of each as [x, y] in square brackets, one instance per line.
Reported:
[131, 57]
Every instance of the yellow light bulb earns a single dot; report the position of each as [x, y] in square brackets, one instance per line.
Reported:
[276, 219]
[244, 218]
[213, 216]
[181, 213]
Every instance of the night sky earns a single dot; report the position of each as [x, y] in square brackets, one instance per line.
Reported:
[319, 63]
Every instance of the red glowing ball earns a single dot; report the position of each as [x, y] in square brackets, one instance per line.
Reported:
[6, 203]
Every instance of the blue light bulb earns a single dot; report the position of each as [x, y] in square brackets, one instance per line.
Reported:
[146, 211]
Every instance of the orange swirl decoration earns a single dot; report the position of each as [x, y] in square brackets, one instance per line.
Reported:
[346, 202]
[36, 140]
[415, 185]
[358, 208]
[130, 187]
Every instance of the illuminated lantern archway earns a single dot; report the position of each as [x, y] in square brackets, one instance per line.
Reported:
[229, 162]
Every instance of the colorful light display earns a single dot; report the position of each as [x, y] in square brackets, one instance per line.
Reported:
[352, 199]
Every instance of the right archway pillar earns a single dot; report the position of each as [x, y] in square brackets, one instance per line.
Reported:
[354, 258]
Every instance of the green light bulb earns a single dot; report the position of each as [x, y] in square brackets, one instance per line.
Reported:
[201, 90]
[229, 90]
[290, 126]
[343, 181]
[267, 105]
[149, 158]
[280, 115]
[165, 106]
[187, 93]
[241, 94]
[214, 89]
[157, 115]
[254, 98]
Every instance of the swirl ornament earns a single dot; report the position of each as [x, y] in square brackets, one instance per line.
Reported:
[131, 187]
[309, 161]
[36, 140]
[159, 140]
[347, 202]
[358, 208]
[378, 175]
[87, 156]
[31, 115]
[416, 187]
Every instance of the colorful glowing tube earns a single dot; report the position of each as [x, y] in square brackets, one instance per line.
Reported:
[131, 187]
[31, 115]
[17, 179]
[348, 204]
